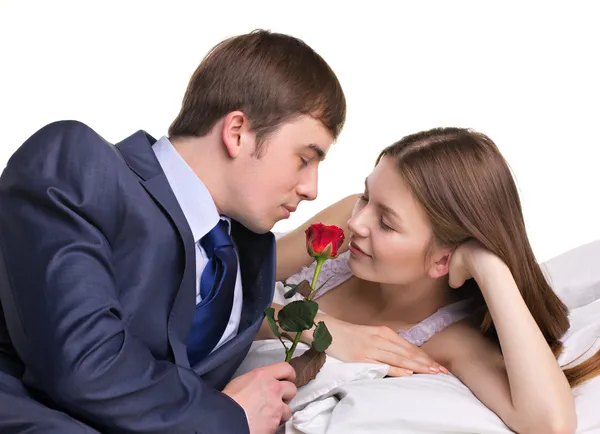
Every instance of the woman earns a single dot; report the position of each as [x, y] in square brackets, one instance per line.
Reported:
[437, 251]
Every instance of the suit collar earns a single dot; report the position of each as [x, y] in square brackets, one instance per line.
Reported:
[137, 152]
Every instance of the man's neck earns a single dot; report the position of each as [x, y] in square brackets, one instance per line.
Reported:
[201, 156]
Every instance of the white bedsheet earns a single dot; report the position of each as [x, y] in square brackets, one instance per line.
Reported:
[353, 398]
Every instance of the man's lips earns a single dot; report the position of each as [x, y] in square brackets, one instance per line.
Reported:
[288, 210]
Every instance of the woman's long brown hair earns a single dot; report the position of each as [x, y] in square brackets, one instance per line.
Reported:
[468, 191]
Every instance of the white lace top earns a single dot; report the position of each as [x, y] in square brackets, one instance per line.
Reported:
[336, 271]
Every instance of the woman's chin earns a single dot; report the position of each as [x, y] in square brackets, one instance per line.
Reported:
[358, 269]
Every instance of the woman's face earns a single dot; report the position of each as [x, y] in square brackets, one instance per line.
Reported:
[390, 235]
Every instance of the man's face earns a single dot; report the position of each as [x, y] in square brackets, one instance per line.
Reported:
[270, 187]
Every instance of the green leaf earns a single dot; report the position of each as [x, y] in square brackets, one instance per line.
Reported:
[321, 337]
[270, 314]
[298, 315]
[292, 291]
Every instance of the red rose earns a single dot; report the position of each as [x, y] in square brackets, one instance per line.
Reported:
[323, 241]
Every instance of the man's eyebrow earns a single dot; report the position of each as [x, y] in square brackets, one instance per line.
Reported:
[317, 150]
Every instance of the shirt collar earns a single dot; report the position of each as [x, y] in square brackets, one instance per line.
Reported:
[192, 195]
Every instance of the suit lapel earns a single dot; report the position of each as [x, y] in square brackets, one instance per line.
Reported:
[257, 259]
[138, 154]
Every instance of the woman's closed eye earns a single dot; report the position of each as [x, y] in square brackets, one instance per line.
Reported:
[384, 226]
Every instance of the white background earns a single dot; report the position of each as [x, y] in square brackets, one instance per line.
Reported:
[525, 73]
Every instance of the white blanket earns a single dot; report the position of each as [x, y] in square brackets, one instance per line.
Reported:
[353, 398]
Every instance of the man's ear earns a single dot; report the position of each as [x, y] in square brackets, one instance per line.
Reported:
[440, 262]
[235, 125]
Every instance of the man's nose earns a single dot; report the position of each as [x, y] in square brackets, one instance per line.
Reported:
[308, 188]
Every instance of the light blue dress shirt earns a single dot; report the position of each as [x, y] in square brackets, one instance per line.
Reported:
[201, 214]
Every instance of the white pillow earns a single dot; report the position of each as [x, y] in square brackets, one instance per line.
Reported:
[575, 275]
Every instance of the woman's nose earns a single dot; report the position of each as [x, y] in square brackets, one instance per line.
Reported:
[357, 226]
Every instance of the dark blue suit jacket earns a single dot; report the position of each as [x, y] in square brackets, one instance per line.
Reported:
[97, 291]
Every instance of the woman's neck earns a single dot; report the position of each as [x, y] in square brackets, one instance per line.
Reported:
[410, 303]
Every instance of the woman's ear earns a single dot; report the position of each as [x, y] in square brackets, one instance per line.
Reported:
[440, 262]
[234, 125]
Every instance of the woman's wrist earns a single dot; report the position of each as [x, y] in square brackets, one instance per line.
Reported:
[485, 266]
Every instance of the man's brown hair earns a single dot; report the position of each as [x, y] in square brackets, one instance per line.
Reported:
[270, 77]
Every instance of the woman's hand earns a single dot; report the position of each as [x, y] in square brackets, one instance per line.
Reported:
[374, 344]
[467, 260]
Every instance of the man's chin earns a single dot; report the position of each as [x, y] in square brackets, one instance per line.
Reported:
[259, 226]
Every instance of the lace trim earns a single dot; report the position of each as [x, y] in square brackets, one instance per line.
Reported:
[444, 317]
[333, 273]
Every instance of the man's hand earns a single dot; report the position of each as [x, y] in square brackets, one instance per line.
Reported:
[372, 344]
[264, 394]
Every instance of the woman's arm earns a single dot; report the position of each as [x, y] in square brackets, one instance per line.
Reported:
[291, 248]
[524, 385]
[366, 344]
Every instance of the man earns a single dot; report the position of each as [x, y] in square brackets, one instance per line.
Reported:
[133, 278]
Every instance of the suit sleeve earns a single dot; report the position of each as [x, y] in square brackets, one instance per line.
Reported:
[61, 300]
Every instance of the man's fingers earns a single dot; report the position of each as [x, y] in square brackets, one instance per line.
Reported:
[288, 391]
[286, 414]
[280, 371]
